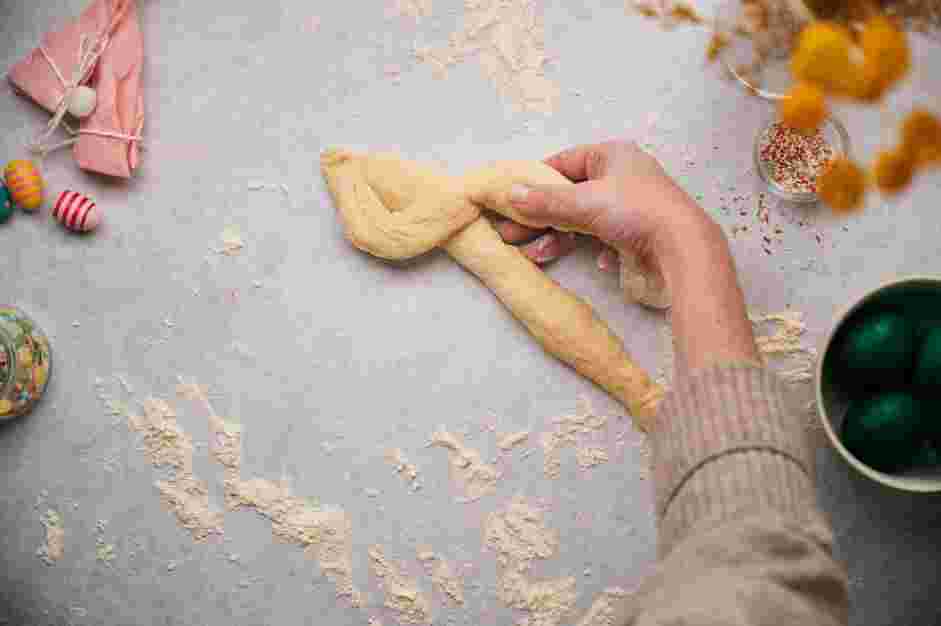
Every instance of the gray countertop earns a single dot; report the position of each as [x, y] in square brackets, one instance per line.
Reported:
[328, 357]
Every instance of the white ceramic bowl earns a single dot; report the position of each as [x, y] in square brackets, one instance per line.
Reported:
[832, 401]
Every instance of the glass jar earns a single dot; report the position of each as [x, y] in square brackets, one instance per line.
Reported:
[832, 132]
[25, 363]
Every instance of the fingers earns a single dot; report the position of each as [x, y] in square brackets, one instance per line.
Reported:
[579, 163]
[514, 233]
[549, 247]
[565, 207]
[608, 260]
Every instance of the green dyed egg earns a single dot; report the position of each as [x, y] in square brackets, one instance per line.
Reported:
[878, 349]
[6, 204]
[927, 457]
[884, 431]
[928, 362]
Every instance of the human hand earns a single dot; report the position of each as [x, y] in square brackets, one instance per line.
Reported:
[622, 196]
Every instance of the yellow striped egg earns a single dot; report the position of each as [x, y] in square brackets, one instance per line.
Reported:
[25, 184]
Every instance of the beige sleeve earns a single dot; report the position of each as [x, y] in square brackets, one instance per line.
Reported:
[741, 538]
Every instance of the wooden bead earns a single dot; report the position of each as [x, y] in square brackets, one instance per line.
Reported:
[25, 184]
[83, 102]
[76, 212]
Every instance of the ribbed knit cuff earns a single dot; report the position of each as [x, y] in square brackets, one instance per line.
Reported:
[727, 442]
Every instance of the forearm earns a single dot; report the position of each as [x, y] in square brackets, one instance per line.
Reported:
[710, 322]
[741, 539]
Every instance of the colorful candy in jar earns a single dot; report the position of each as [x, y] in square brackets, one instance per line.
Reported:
[25, 363]
[25, 184]
[6, 204]
[76, 212]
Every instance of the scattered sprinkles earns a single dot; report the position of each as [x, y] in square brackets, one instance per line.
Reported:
[794, 160]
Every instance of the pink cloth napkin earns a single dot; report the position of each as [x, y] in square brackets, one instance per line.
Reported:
[116, 77]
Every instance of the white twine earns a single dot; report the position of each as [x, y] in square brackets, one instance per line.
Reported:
[89, 51]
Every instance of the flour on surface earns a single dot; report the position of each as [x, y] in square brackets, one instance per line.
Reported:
[518, 536]
[414, 9]
[591, 456]
[402, 594]
[603, 611]
[166, 445]
[785, 340]
[568, 430]
[476, 478]
[665, 372]
[507, 38]
[783, 346]
[324, 534]
[508, 441]
[407, 471]
[443, 576]
[104, 552]
[54, 547]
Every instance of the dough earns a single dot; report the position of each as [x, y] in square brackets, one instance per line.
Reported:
[639, 284]
[398, 209]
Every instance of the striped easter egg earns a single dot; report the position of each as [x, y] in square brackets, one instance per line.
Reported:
[76, 212]
[25, 184]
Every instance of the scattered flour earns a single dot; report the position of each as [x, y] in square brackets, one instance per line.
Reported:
[402, 594]
[795, 362]
[785, 340]
[54, 547]
[518, 536]
[603, 611]
[104, 552]
[476, 478]
[403, 468]
[664, 375]
[591, 456]
[508, 441]
[166, 445]
[443, 576]
[324, 534]
[414, 9]
[507, 38]
[566, 434]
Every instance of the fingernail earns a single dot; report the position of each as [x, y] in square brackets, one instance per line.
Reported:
[518, 193]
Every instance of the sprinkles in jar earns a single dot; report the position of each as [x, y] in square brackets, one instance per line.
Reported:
[790, 161]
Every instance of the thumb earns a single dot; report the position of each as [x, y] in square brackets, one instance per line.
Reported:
[575, 207]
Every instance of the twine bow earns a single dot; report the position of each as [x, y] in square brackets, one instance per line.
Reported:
[89, 51]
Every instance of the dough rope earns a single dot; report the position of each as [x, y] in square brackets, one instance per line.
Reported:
[397, 209]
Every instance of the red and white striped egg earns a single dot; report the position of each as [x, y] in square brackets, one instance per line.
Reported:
[76, 212]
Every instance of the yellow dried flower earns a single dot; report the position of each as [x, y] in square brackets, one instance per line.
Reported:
[804, 107]
[6, 407]
[885, 50]
[842, 185]
[646, 10]
[823, 57]
[921, 137]
[893, 170]
[717, 43]
[683, 12]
